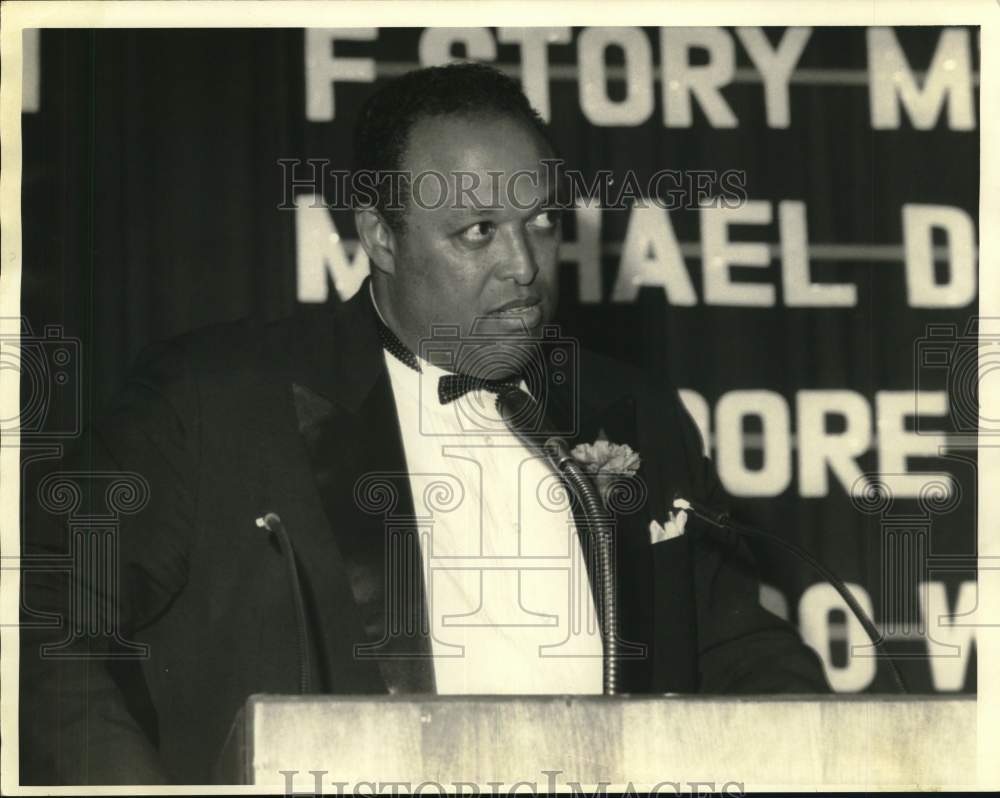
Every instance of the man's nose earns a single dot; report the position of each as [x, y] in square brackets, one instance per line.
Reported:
[518, 260]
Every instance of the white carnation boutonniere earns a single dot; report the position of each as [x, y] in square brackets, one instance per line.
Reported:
[606, 463]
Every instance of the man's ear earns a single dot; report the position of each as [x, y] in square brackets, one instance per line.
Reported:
[378, 239]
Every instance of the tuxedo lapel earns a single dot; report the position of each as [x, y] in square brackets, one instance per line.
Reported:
[594, 415]
[348, 424]
[349, 427]
[670, 592]
[654, 581]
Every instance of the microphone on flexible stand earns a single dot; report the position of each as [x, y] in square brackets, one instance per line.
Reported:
[722, 520]
[599, 527]
[522, 415]
[273, 524]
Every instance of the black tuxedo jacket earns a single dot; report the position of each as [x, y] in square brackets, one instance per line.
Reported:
[228, 424]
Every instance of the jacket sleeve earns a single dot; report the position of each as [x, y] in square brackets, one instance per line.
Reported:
[86, 717]
[742, 648]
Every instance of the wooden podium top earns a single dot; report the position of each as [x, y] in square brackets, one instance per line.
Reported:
[747, 743]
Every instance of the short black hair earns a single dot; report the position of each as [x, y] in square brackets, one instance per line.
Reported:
[383, 126]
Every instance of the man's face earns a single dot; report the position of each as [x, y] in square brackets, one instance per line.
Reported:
[484, 259]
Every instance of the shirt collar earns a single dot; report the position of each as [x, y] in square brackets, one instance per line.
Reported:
[391, 342]
[401, 353]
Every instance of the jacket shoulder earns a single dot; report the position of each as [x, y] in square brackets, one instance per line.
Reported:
[248, 343]
[608, 379]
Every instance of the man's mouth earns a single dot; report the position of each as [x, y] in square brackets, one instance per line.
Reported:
[515, 307]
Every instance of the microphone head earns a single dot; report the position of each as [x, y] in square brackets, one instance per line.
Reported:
[557, 449]
[269, 521]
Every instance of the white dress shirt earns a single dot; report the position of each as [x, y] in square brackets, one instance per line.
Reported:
[509, 603]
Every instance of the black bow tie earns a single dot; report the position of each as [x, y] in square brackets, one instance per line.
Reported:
[453, 386]
[450, 386]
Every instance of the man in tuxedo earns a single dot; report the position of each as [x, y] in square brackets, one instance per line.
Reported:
[336, 503]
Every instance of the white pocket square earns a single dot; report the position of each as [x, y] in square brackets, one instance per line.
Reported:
[672, 528]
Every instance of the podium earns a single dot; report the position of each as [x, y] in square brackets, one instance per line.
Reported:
[342, 743]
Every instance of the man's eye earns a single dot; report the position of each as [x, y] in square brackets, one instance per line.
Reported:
[478, 232]
[546, 220]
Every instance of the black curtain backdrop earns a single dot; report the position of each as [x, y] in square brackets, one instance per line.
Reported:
[151, 186]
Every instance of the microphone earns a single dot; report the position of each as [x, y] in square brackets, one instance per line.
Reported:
[525, 419]
[273, 524]
[599, 527]
[721, 520]
[557, 450]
